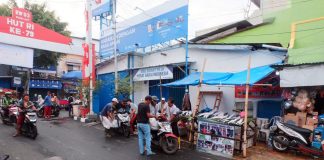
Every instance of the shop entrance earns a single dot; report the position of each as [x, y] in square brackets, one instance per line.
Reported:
[175, 92]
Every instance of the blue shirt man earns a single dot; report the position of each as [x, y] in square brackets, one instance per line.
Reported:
[109, 108]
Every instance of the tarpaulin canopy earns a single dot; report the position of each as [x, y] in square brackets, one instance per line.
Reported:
[193, 79]
[221, 78]
[72, 75]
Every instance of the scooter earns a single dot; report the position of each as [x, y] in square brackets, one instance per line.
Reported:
[123, 121]
[11, 117]
[162, 136]
[4, 157]
[55, 111]
[29, 127]
[287, 136]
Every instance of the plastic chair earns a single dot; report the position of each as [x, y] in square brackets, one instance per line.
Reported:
[265, 128]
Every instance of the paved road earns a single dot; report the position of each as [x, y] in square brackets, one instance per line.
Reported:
[71, 140]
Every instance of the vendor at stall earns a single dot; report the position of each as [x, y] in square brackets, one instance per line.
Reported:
[170, 110]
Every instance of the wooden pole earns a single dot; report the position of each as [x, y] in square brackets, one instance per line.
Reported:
[160, 89]
[197, 102]
[246, 106]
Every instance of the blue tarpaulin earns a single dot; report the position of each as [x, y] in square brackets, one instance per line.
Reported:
[220, 78]
[72, 75]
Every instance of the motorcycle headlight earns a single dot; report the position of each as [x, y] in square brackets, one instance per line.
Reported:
[273, 128]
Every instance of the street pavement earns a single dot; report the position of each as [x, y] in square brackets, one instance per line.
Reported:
[71, 140]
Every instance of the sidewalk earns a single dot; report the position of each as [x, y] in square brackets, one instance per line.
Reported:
[261, 152]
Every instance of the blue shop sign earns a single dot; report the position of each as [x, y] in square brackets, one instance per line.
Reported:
[49, 84]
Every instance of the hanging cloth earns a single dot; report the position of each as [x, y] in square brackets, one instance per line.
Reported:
[186, 104]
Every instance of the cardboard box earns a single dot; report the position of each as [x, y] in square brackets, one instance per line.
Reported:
[291, 119]
[310, 121]
[309, 127]
[301, 118]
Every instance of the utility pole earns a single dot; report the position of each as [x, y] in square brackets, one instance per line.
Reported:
[89, 42]
[115, 45]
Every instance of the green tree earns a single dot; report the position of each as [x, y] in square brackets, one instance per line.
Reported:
[46, 18]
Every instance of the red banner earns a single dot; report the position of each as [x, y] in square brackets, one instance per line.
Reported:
[261, 91]
[85, 64]
[20, 24]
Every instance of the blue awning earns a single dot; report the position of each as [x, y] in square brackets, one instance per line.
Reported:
[220, 78]
[72, 75]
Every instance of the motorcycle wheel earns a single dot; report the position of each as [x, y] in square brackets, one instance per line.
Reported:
[33, 132]
[3, 121]
[126, 131]
[279, 146]
[169, 145]
[40, 113]
[56, 114]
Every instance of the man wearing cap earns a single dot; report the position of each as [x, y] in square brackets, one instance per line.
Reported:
[161, 105]
[107, 115]
[153, 105]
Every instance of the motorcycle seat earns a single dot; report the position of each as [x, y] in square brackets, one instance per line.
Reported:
[303, 131]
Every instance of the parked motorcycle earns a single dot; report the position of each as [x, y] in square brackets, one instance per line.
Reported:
[29, 127]
[163, 136]
[11, 117]
[55, 111]
[287, 136]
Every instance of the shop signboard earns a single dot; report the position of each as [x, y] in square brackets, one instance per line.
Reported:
[16, 82]
[160, 24]
[16, 56]
[48, 84]
[153, 73]
[100, 7]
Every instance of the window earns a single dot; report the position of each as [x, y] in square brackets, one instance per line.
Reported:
[71, 67]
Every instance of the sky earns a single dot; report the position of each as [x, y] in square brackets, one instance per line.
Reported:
[202, 13]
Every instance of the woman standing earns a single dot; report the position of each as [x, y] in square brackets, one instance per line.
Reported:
[48, 106]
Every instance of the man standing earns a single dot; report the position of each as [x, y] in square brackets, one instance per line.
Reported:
[170, 110]
[70, 106]
[143, 126]
[48, 106]
[107, 116]
[133, 113]
[153, 105]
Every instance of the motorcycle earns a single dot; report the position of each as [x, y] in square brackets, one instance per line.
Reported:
[4, 157]
[287, 136]
[55, 110]
[163, 136]
[11, 117]
[123, 124]
[29, 127]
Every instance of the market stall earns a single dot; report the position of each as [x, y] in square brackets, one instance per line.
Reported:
[217, 132]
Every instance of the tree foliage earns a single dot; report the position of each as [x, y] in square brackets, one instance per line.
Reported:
[46, 18]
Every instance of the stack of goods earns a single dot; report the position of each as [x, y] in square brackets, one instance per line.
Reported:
[302, 119]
